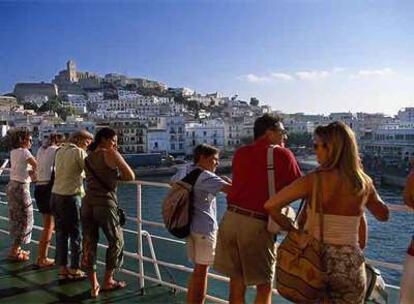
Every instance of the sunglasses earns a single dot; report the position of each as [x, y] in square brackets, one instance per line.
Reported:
[316, 146]
[281, 131]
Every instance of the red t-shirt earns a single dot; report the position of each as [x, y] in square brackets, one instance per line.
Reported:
[249, 188]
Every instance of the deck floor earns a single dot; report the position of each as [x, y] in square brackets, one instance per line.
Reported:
[21, 283]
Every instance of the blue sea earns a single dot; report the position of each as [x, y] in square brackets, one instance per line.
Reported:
[387, 241]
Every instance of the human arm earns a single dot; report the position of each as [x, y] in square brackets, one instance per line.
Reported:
[376, 205]
[408, 193]
[33, 163]
[114, 159]
[300, 188]
[363, 232]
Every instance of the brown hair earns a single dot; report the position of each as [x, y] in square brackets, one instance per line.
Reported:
[205, 150]
[343, 154]
[17, 137]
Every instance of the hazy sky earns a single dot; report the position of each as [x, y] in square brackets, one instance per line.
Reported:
[298, 56]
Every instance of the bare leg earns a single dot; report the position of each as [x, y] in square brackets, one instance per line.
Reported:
[197, 286]
[110, 282]
[48, 226]
[93, 278]
[263, 294]
[237, 291]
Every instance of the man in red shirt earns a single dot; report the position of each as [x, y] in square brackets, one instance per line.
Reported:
[245, 249]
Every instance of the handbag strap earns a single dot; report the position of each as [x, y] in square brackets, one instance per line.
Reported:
[271, 180]
[270, 170]
[100, 181]
[316, 201]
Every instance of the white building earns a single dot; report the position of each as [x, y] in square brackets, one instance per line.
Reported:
[67, 128]
[299, 127]
[158, 141]
[208, 132]
[391, 142]
[79, 102]
[406, 114]
[175, 126]
[233, 133]
[38, 100]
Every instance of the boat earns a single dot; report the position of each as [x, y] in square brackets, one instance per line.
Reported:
[150, 278]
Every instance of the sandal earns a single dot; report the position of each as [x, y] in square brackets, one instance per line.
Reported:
[76, 274]
[20, 256]
[44, 263]
[95, 291]
[115, 285]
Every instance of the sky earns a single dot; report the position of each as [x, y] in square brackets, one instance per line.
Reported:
[297, 56]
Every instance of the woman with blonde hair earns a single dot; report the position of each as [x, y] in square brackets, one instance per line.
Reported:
[343, 193]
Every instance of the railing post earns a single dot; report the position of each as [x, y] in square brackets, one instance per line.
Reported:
[140, 250]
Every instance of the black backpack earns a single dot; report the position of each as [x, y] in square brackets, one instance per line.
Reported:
[177, 207]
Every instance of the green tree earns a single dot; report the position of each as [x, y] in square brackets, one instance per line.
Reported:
[64, 112]
[51, 105]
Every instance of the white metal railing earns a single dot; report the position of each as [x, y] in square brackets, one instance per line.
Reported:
[141, 234]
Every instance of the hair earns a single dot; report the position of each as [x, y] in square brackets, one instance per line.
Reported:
[264, 123]
[78, 136]
[104, 133]
[343, 154]
[204, 150]
[17, 137]
[55, 139]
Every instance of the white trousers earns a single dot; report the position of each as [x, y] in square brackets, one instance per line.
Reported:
[407, 281]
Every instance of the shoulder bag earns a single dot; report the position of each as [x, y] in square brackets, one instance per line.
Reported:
[300, 274]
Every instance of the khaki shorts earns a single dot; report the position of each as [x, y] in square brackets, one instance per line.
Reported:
[201, 248]
[245, 249]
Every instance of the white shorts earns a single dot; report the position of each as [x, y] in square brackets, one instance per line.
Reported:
[201, 248]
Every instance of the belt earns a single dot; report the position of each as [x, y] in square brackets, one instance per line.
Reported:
[250, 213]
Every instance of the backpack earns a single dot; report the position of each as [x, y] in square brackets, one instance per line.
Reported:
[177, 207]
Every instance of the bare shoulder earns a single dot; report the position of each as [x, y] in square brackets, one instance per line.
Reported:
[109, 157]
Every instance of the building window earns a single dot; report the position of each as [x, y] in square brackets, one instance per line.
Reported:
[204, 133]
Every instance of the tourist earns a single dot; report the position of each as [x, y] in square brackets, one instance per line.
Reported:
[66, 200]
[45, 158]
[201, 242]
[23, 171]
[100, 208]
[245, 248]
[345, 190]
[407, 279]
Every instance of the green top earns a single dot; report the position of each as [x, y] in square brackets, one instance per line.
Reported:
[69, 174]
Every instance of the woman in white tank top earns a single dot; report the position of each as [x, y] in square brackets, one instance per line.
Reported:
[23, 170]
[344, 191]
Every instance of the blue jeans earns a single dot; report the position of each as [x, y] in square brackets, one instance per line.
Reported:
[66, 210]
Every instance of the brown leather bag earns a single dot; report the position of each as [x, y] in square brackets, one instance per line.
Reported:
[300, 274]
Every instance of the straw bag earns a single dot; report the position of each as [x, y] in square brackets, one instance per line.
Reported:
[300, 274]
[288, 211]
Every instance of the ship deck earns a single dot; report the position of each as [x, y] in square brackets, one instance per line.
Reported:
[21, 283]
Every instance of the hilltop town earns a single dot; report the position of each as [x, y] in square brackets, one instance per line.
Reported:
[151, 117]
